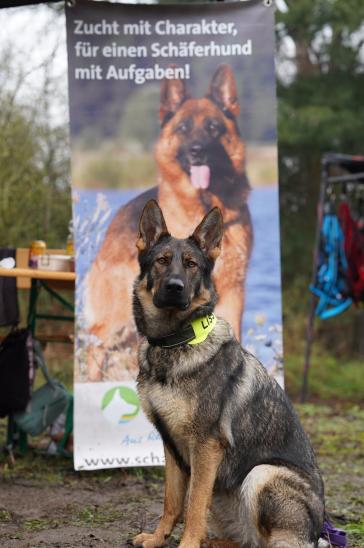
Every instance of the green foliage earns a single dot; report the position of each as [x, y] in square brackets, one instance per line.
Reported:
[331, 379]
[320, 109]
[140, 122]
[108, 168]
[34, 191]
[103, 171]
[34, 177]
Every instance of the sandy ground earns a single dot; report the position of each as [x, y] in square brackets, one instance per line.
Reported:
[62, 508]
[43, 502]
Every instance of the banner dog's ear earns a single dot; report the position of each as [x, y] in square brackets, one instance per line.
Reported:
[209, 233]
[173, 94]
[223, 90]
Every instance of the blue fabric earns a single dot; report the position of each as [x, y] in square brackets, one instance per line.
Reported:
[330, 286]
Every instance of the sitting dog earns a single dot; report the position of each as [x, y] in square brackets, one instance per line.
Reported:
[233, 443]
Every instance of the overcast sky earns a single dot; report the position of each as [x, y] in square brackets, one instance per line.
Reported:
[30, 35]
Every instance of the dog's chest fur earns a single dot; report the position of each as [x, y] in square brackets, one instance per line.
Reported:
[171, 412]
[167, 386]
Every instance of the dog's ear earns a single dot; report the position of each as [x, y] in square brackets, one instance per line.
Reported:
[223, 91]
[152, 226]
[209, 232]
[173, 94]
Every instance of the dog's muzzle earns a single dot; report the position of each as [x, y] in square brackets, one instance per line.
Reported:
[172, 294]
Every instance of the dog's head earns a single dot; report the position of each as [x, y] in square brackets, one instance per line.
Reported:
[200, 137]
[175, 274]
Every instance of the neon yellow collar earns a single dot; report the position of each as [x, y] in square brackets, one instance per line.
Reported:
[202, 327]
[194, 333]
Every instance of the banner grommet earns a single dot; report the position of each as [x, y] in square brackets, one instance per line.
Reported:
[71, 3]
[268, 3]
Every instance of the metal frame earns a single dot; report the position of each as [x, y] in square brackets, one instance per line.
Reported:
[33, 315]
[328, 160]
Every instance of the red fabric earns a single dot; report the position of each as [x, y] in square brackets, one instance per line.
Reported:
[354, 251]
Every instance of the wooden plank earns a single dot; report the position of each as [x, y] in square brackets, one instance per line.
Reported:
[24, 274]
[38, 274]
[22, 261]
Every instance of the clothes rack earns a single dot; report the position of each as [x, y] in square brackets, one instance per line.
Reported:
[353, 168]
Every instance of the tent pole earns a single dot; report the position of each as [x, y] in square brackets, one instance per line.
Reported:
[311, 315]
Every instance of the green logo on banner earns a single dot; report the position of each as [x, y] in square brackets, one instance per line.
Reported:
[128, 399]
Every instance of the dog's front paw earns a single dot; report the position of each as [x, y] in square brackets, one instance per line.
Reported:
[147, 540]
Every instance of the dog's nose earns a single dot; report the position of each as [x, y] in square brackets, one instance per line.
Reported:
[196, 149]
[175, 284]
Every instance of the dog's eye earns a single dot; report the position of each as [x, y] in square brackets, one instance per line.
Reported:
[162, 260]
[182, 128]
[215, 128]
[190, 264]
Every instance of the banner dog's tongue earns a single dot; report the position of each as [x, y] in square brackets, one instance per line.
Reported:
[200, 176]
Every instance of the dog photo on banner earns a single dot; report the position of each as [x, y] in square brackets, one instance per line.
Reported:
[177, 105]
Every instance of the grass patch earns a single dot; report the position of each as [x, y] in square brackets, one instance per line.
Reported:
[97, 516]
[109, 168]
[356, 529]
[5, 516]
[335, 432]
[41, 524]
[337, 435]
[330, 378]
[35, 467]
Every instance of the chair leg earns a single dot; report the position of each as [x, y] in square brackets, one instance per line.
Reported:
[10, 432]
[13, 435]
[23, 442]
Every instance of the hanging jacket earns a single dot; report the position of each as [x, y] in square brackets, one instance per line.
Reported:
[354, 252]
[330, 285]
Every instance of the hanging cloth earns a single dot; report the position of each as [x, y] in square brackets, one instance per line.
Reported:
[331, 286]
[9, 309]
[354, 252]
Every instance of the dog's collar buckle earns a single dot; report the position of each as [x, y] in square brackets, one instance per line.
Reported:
[195, 333]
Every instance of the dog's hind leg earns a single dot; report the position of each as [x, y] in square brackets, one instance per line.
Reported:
[282, 507]
[174, 496]
[287, 539]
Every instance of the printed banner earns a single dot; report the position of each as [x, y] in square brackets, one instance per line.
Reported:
[175, 103]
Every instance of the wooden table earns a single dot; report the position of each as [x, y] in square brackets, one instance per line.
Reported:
[35, 280]
[37, 274]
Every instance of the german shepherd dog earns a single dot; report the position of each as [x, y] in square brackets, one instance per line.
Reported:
[201, 163]
[232, 440]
